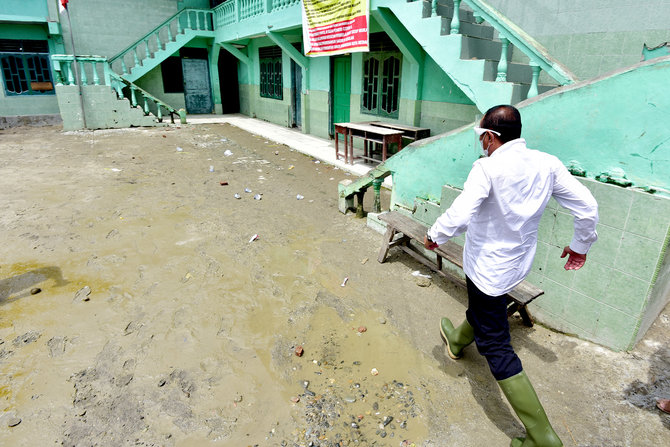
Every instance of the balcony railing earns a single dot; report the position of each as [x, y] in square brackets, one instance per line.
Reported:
[234, 11]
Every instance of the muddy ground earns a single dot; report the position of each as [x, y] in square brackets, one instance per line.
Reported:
[160, 322]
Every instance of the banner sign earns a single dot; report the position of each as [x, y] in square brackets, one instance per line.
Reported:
[335, 26]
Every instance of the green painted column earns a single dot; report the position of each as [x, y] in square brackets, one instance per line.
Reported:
[214, 77]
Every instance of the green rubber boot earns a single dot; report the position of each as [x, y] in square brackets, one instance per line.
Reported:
[521, 395]
[458, 338]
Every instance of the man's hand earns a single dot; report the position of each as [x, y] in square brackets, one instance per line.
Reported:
[575, 260]
[429, 244]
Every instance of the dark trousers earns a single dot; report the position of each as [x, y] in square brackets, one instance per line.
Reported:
[488, 317]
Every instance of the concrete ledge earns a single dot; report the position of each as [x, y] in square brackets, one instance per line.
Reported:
[30, 120]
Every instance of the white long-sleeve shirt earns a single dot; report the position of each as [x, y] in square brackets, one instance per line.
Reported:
[500, 207]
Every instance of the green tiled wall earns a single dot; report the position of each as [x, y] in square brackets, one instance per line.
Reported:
[626, 280]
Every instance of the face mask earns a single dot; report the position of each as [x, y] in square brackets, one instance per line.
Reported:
[479, 131]
[485, 150]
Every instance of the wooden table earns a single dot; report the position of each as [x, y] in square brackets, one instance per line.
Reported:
[373, 134]
[410, 132]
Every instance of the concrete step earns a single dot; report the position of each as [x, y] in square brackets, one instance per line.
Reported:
[468, 29]
[445, 8]
[476, 48]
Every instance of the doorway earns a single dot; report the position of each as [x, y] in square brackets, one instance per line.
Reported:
[228, 83]
[296, 93]
[341, 82]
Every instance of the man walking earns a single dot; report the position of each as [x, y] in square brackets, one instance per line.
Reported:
[500, 208]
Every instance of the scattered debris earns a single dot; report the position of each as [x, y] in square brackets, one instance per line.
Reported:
[258, 197]
[82, 294]
[419, 274]
[344, 281]
[247, 190]
[364, 261]
[228, 153]
[299, 352]
[299, 197]
[374, 371]
[13, 422]
[253, 238]
[211, 168]
[25, 339]
[295, 399]
[362, 329]
[291, 167]
[179, 149]
[35, 290]
[222, 183]
[237, 196]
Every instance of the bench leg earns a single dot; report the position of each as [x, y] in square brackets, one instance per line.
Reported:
[388, 237]
[523, 312]
[525, 316]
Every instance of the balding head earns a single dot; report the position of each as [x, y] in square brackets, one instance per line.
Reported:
[504, 119]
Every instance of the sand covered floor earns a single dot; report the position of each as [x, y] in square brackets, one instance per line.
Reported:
[143, 303]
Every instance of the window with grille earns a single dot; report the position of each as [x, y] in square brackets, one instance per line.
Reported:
[271, 72]
[381, 84]
[26, 68]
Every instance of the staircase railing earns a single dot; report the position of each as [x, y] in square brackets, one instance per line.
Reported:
[233, 11]
[95, 70]
[147, 98]
[157, 38]
[510, 33]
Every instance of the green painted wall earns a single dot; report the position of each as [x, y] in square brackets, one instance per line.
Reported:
[627, 281]
[24, 10]
[33, 104]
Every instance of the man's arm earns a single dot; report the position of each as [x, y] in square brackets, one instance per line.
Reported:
[574, 196]
[455, 220]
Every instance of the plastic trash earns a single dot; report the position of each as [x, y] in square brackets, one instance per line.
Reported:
[179, 149]
[223, 140]
[253, 238]
[419, 274]
[258, 197]
[211, 169]
[299, 197]
[237, 196]
[344, 281]
[247, 190]
[228, 153]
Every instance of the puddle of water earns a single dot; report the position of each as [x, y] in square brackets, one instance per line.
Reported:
[362, 386]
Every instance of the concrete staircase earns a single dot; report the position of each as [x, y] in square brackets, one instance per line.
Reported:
[470, 58]
[163, 41]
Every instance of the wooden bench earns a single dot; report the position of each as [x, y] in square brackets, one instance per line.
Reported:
[409, 229]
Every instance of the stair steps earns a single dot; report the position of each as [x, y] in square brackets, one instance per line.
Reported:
[469, 58]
